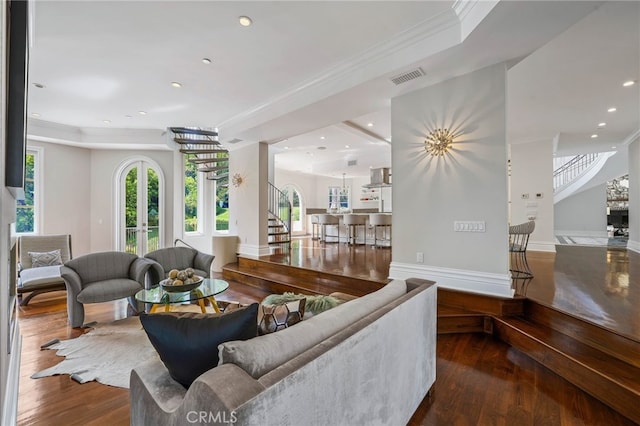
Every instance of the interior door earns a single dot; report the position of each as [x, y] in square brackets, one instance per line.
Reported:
[140, 215]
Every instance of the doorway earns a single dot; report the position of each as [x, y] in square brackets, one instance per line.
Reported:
[297, 209]
[140, 227]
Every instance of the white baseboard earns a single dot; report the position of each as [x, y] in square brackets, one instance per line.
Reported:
[10, 402]
[456, 279]
[633, 246]
[251, 250]
[547, 246]
[588, 234]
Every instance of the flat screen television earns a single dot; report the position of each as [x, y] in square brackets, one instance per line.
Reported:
[17, 86]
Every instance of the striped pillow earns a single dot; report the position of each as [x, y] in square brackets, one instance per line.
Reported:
[48, 258]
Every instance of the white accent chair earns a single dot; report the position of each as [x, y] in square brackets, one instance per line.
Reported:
[45, 278]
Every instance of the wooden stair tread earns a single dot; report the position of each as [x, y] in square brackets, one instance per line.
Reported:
[599, 362]
[444, 311]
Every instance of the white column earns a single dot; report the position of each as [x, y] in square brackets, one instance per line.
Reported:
[467, 184]
[248, 201]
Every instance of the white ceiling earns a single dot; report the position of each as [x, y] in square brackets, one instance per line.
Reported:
[304, 68]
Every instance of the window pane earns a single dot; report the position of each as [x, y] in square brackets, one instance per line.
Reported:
[191, 183]
[153, 208]
[222, 207]
[131, 210]
[25, 209]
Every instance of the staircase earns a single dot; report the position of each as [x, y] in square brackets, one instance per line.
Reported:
[279, 220]
[202, 148]
[575, 173]
[600, 362]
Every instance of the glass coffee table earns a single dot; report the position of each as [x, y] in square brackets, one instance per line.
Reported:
[158, 297]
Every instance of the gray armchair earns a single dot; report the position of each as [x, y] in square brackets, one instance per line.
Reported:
[178, 258]
[101, 277]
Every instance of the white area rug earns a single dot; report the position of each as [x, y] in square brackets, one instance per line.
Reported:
[106, 354]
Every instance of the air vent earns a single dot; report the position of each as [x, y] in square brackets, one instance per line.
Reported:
[407, 76]
[235, 140]
[352, 163]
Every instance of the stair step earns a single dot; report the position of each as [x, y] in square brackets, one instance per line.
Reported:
[272, 234]
[614, 344]
[277, 277]
[183, 141]
[480, 303]
[188, 131]
[208, 160]
[607, 378]
[202, 151]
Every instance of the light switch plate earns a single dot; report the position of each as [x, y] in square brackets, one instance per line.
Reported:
[469, 226]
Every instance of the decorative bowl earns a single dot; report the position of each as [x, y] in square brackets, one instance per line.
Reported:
[170, 288]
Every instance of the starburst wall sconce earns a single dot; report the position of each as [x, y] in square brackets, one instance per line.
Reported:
[438, 142]
[236, 180]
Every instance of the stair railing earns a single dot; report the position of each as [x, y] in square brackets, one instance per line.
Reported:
[280, 208]
[572, 169]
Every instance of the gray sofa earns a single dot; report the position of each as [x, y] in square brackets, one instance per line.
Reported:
[368, 361]
[102, 277]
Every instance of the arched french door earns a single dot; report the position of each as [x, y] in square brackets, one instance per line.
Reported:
[297, 205]
[140, 203]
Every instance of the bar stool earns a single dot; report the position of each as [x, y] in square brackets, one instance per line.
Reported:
[315, 227]
[377, 220]
[351, 222]
[323, 221]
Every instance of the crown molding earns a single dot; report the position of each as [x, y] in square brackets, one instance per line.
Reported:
[97, 138]
[471, 13]
[632, 137]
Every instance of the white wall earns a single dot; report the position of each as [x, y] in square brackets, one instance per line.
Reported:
[65, 193]
[104, 164]
[583, 214]
[634, 196]
[469, 184]
[532, 174]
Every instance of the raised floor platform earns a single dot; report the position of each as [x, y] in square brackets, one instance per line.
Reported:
[595, 356]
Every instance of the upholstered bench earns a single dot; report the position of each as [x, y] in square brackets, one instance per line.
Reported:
[40, 258]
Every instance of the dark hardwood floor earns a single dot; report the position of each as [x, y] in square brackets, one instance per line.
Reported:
[480, 380]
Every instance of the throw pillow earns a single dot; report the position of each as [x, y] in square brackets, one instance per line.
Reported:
[188, 342]
[48, 258]
[314, 304]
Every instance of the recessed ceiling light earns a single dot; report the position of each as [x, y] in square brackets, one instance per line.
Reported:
[35, 114]
[286, 147]
[142, 112]
[206, 61]
[322, 148]
[245, 21]
[322, 137]
[593, 136]
[612, 109]
[39, 85]
[106, 121]
[613, 147]
[347, 146]
[369, 124]
[602, 124]
[176, 84]
[628, 83]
